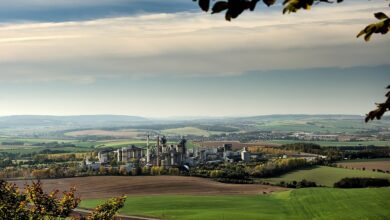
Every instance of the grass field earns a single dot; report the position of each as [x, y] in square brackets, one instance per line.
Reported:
[189, 131]
[81, 146]
[129, 133]
[32, 140]
[309, 203]
[39, 149]
[28, 147]
[320, 125]
[324, 175]
[121, 143]
[125, 143]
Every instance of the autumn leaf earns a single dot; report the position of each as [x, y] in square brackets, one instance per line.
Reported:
[381, 27]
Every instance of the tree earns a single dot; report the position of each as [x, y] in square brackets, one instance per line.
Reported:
[380, 110]
[234, 8]
[102, 170]
[108, 210]
[35, 204]
[123, 170]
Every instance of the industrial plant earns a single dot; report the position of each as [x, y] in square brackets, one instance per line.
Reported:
[162, 154]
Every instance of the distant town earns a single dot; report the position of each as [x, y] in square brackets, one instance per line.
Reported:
[52, 147]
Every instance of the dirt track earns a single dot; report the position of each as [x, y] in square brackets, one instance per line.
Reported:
[109, 186]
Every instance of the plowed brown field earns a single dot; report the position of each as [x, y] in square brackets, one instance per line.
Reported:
[110, 186]
[368, 165]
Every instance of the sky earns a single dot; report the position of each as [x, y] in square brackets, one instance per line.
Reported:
[157, 58]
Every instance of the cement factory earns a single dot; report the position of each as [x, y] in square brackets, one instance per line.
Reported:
[167, 155]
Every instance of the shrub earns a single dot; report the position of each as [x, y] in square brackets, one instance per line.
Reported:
[156, 170]
[34, 203]
[174, 171]
[145, 170]
[294, 184]
[235, 181]
[361, 182]
[304, 183]
[136, 171]
[108, 210]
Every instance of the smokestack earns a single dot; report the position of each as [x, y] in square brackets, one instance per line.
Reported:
[147, 150]
[158, 150]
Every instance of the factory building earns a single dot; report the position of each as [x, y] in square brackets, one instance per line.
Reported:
[172, 155]
[103, 157]
[167, 155]
[129, 154]
[245, 155]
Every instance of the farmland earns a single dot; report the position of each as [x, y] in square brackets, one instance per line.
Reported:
[310, 203]
[113, 131]
[381, 164]
[109, 186]
[115, 134]
[189, 131]
[36, 145]
[152, 192]
[326, 176]
[332, 143]
[320, 124]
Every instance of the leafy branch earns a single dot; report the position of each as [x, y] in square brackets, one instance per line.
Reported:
[383, 26]
[35, 204]
[234, 8]
[380, 110]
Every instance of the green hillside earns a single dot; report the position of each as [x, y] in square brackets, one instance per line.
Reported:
[309, 203]
[324, 175]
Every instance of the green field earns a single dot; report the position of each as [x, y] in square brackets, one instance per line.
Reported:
[189, 131]
[27, 151]
[320, 125]
[125, 143]
[33, 140]
[309, 203]
[324, 175]
[28, 148]
[121, 143]
[81, 146]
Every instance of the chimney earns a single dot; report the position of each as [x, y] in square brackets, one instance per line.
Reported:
[158, 150]
[147, 150]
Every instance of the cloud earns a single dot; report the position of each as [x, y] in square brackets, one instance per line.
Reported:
[189, 44]
[76, 10]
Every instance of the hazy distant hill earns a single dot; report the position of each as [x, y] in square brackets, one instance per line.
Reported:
[25, 124]
[81, 120]
[303, 117]
[121, 120]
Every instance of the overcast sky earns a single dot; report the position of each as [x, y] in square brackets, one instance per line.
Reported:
[159, 58]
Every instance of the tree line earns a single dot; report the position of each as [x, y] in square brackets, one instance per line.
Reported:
[362, 182]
